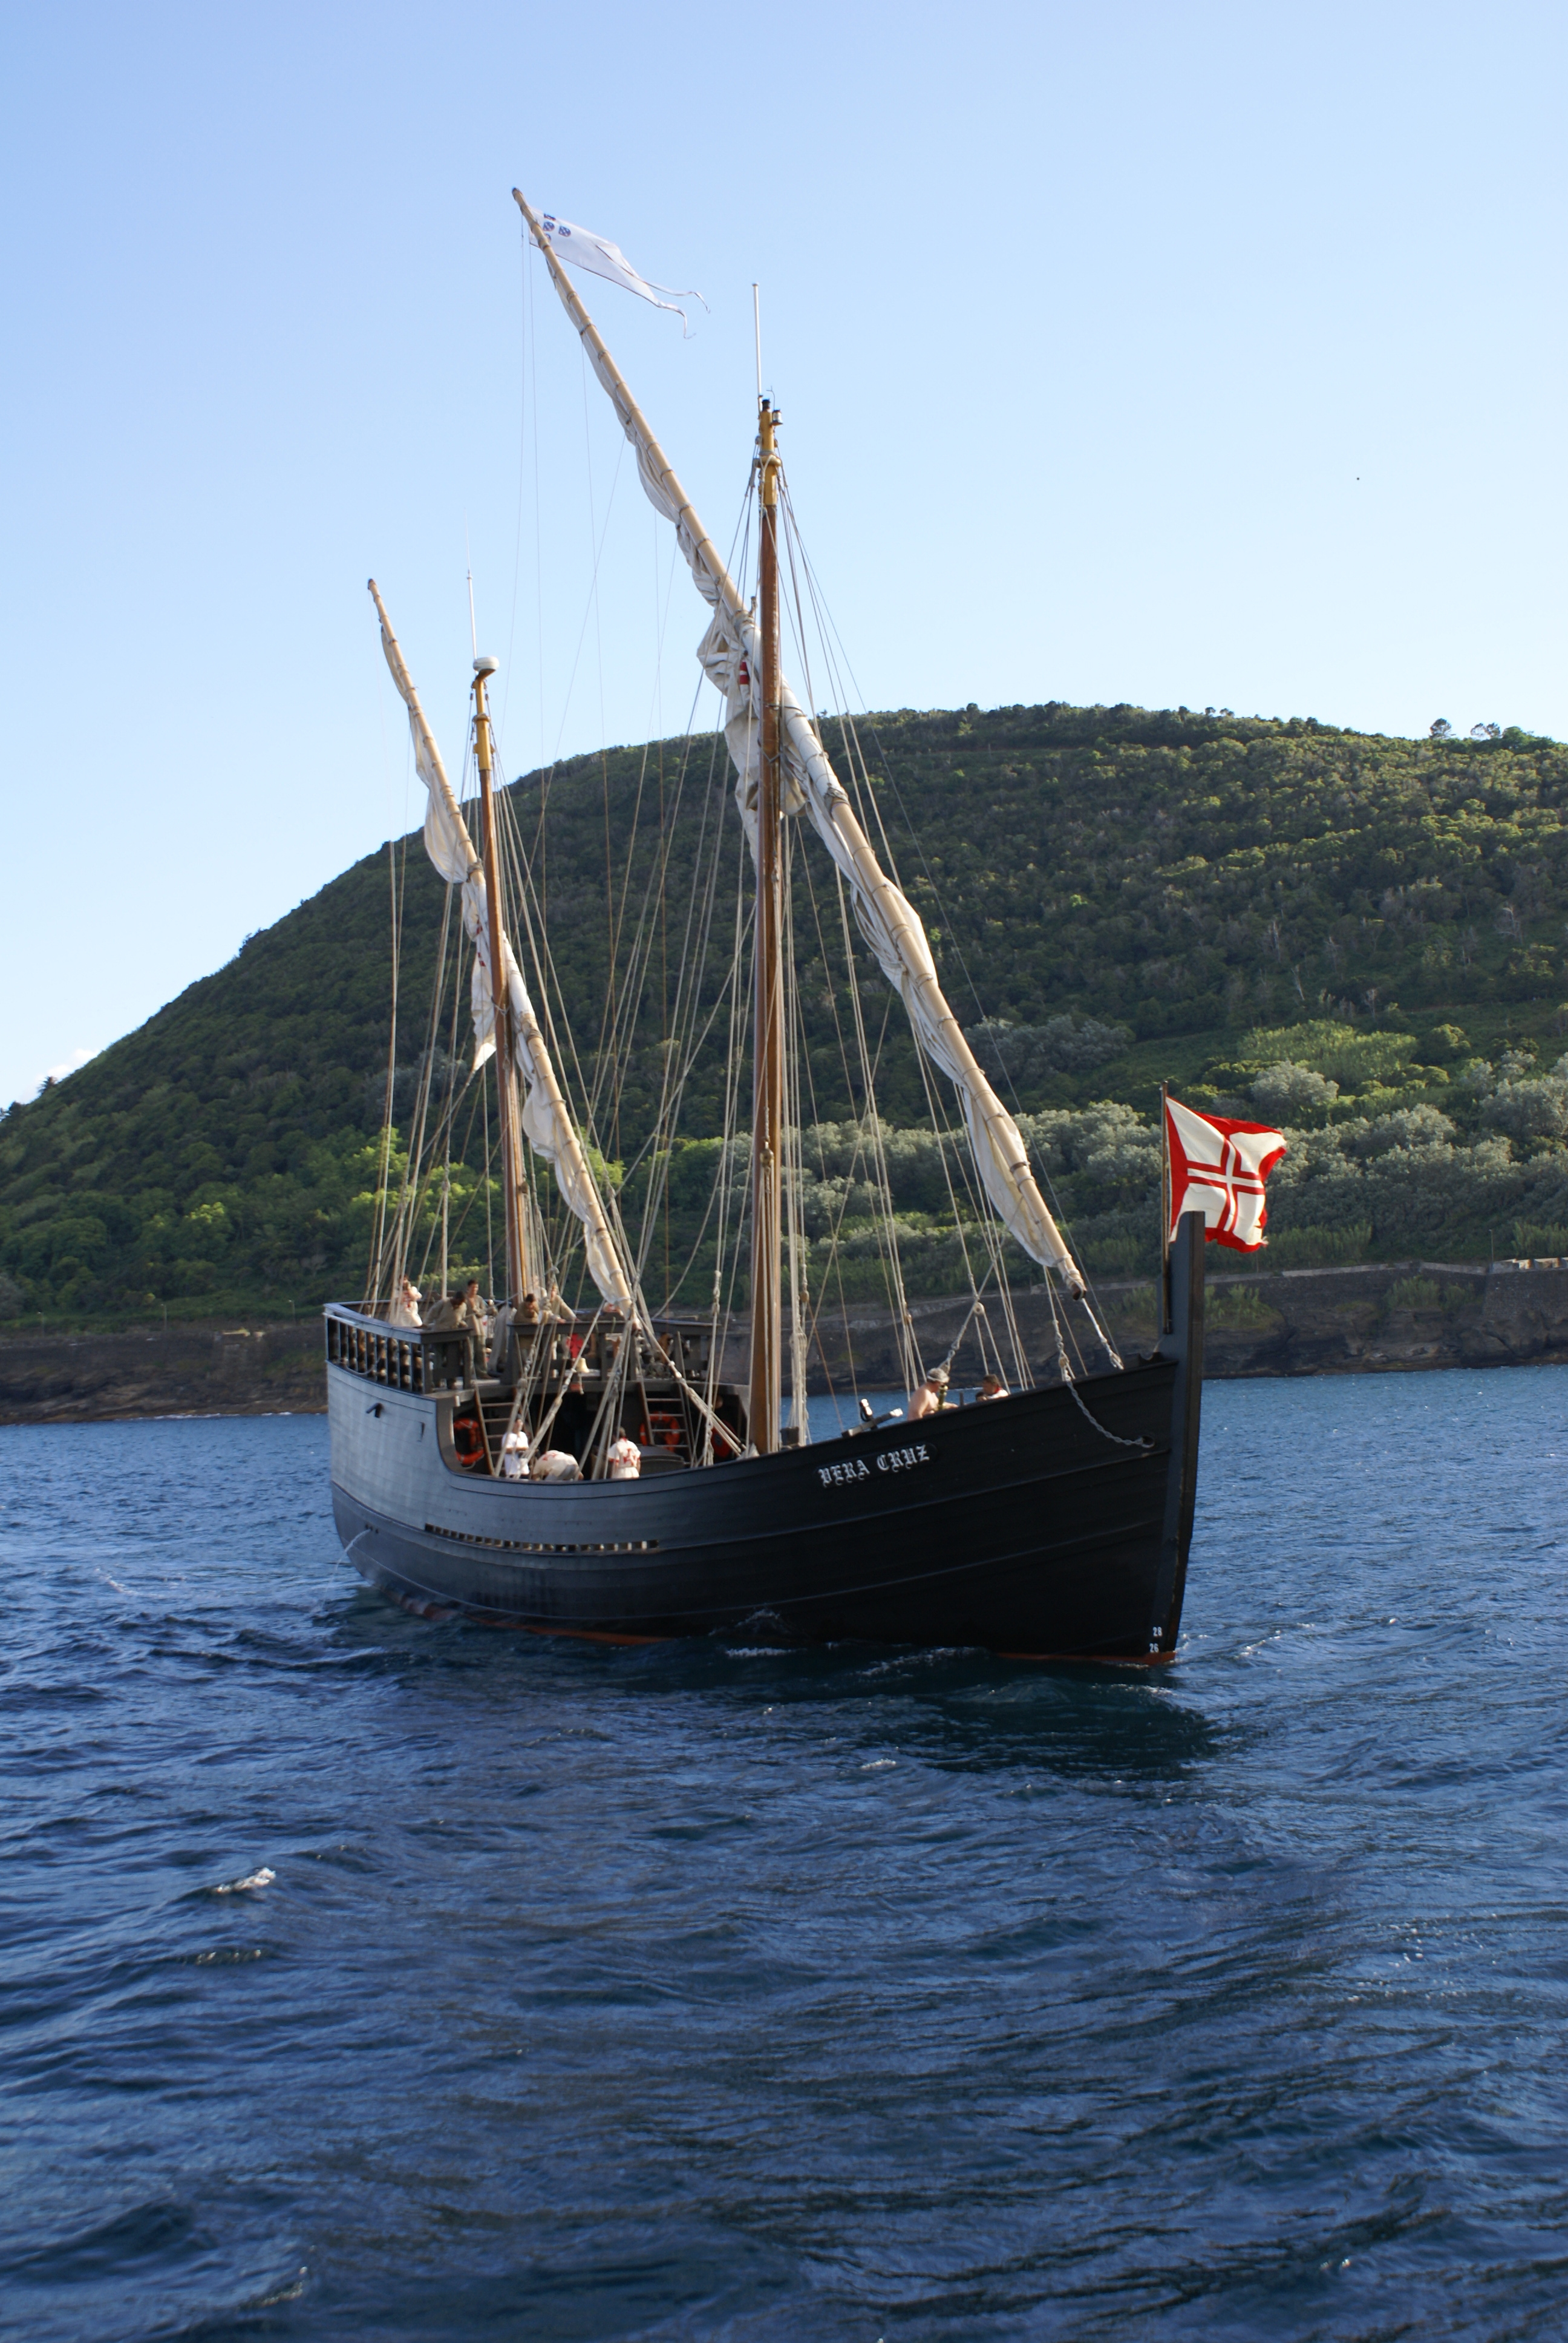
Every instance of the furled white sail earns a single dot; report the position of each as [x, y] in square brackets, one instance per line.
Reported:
[550, 1130]
[730, 656]
[730, 653]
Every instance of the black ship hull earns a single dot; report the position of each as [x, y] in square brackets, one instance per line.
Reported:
[1052, 1524]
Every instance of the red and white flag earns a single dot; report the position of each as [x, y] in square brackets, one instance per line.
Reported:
[1219, 1168]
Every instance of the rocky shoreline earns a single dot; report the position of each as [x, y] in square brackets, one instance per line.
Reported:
[1382, 1319]
[1391, 1317]
[106, 1378]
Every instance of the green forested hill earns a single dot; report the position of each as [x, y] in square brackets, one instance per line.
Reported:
[1343, 929]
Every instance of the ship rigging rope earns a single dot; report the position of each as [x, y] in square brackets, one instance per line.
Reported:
[633, 936]
[444, 1128]
[684, 1027]
[1146, 1446]
[792, 1168]
[430, 1152]
[397, 1241]
[384, 1169]
[811, 1315]
[679, 1028]
[983, 1218]
[984, 1223]
[704, 559]
[617, 1031]
[597, 538]
[871, 1129]
[624, 985]
[690, 1023]
[867, 1135]
[865, 802]
[654, 745]
[416, 1177]
[625, 997]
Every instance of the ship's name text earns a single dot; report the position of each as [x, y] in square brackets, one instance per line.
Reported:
[888, 1460]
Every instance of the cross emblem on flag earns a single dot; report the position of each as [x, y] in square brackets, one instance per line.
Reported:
[1219, 1168]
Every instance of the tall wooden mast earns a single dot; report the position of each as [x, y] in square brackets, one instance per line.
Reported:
[767, 1109]
[506, 1059]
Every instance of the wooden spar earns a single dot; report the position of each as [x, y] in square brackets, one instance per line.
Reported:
[866, 873]
[573, 1174]
[506, 1056]
[614, 383]
[768, 1070]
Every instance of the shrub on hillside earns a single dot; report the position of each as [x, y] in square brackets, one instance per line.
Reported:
[1532, 1240]
[1023, 1056]
[1292, 1088]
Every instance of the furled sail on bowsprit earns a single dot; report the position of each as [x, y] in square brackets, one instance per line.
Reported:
[549, 1126]
[729, 655]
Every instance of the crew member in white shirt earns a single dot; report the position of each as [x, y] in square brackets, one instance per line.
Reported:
[555, 1465]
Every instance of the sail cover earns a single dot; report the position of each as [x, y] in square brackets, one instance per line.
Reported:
[550, 1130]
[729, 653]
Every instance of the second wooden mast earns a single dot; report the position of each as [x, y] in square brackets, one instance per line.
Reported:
[501, 997]
[768, 1110]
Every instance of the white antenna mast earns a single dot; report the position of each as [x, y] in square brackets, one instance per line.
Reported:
[473, 630]
[756, 325]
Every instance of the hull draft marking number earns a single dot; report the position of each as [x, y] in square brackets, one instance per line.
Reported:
[888, 1460]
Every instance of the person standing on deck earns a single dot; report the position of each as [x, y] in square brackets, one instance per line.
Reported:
[405, 1310]
[931, 1396]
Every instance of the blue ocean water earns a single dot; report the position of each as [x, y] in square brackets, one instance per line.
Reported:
[366, 1978]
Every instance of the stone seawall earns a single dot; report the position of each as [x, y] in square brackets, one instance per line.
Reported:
[1391, 1319]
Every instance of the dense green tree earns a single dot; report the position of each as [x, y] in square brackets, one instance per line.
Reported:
[1331, 928]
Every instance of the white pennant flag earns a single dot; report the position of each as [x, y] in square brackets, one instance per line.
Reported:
[582, 249]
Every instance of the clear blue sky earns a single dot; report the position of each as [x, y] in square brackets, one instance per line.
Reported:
[1199, 354]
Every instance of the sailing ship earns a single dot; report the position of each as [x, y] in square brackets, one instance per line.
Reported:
[663, 1494]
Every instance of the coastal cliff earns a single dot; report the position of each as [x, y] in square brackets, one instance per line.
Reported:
[1388, 1319]
[102, 1378]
